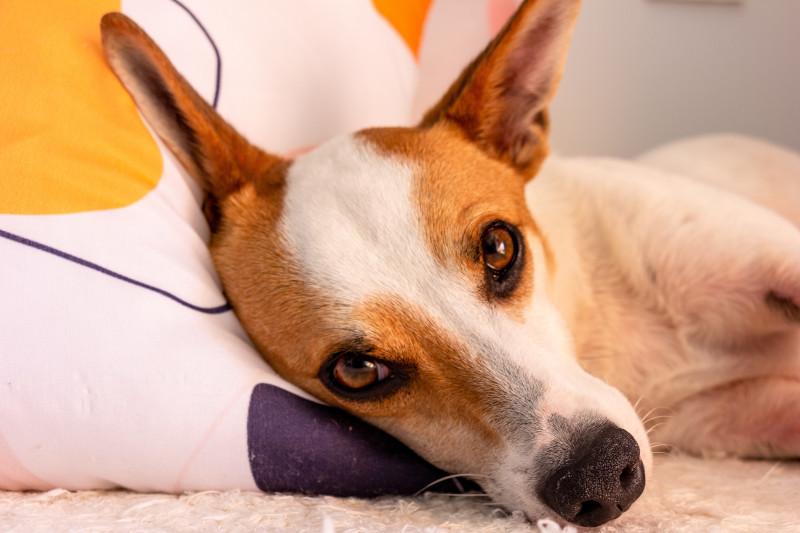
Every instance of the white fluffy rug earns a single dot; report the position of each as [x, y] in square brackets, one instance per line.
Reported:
[684, 494]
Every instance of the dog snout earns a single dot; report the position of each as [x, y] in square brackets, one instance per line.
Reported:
[599, 481]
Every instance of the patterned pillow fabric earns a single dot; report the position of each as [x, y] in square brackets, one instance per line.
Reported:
[121, 362]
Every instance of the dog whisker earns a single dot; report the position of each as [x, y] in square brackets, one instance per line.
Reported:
[652, 414]
[652, 429]
[445, 478]
[636, 404]
[462, 495]
[659, 417]
[496, 508]
[656, 417]
[769, 473]
[661, 448]
[646, 415]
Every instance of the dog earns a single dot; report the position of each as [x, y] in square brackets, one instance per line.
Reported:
[421, 279]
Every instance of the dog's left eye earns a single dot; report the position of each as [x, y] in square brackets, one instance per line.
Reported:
[498, 247]
[355, 371]
[501, 251]
[350, 372]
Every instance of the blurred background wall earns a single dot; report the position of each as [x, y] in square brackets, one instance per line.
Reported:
[644, 72]
[641, 72]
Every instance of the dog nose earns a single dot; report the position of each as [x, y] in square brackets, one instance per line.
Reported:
[599, 482]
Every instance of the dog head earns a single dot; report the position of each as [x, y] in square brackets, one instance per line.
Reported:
[398, 274]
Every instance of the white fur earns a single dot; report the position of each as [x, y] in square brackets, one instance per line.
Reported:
[348, 213]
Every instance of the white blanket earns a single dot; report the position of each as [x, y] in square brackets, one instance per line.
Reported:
[684, 494]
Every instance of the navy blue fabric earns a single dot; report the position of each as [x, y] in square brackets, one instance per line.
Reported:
[213, 46]
[300, 446]
[224, 308]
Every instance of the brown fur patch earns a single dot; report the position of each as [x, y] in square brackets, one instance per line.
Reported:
[290, 322]
[443, 410]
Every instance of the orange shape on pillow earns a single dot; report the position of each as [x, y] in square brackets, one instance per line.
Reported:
[407, 17]
[70, 137]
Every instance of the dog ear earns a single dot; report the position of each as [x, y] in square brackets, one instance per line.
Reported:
[500, 100]
[216, 156]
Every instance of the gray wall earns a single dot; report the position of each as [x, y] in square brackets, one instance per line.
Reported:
[642, 72]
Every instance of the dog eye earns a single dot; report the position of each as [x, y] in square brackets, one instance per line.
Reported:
[356, 375]
[501, 250]
[356, 371]
[498, 248]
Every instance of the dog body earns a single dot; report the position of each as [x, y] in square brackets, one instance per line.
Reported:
[680, 290]
[418, 278]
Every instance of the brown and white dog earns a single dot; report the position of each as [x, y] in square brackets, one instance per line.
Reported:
[418, 278]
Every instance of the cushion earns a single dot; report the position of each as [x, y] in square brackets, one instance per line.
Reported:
[122, 363]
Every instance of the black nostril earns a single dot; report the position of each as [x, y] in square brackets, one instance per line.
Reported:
[600, 481]
[589, 507]
[630, 475]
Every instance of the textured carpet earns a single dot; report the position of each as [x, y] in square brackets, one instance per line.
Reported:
[684, 494]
